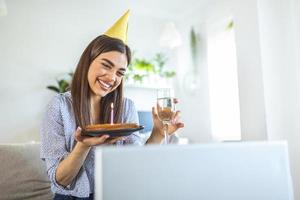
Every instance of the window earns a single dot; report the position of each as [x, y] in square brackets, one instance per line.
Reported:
[223, 81]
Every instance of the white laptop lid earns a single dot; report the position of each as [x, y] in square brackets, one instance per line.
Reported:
[227, 171]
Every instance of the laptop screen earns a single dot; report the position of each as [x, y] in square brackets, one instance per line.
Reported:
[226, 171]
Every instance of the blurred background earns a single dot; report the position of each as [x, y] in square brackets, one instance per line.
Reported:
[234, 65]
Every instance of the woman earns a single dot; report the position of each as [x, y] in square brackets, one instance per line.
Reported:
[98, 81]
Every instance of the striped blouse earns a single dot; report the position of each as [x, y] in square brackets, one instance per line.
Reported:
[57, 141]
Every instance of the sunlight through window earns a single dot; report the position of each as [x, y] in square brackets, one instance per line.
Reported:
[223, 82]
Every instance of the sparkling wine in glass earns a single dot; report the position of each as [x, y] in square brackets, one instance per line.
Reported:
[165, 109]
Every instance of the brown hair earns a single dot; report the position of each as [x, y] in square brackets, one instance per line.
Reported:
[80, 88]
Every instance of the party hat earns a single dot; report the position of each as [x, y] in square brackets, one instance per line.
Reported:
[119, 29]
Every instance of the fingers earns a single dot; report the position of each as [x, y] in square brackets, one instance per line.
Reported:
[89, 141]
[176, 117]
[175, 100]
[78, 136]
[93, 141]
[154, 112]
[180, 125]
[114, 140]
[176, 120]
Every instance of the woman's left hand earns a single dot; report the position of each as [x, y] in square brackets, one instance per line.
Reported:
[172, 127]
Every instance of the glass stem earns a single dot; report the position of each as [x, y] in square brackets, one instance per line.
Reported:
[166, 133]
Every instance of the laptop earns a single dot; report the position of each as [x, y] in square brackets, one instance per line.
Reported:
[224, 171]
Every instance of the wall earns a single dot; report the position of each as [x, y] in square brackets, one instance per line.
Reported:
[268, 49]
[295, 140]
[43, 40]
[279, 32]
[251, 91]
[277, 45]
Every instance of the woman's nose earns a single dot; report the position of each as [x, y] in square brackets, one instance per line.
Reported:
[112, 76]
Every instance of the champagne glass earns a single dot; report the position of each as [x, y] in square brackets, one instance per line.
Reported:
[165, 109]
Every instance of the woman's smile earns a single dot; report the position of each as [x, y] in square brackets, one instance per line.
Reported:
[104, 85]
[106, 72]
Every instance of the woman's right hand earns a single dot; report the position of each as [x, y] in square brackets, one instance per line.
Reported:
[94, 141]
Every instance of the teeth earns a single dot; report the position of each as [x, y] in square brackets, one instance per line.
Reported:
[104, 84]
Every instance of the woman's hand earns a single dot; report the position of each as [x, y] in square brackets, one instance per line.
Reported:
[69, 167]
[158, 126]
[94, 141]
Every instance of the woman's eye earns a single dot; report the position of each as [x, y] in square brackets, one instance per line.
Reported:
[120, 73]
[106, 66]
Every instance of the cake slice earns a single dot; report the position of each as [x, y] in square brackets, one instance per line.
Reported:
[100, 127]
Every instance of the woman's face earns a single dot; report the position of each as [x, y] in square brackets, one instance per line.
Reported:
[106, 72]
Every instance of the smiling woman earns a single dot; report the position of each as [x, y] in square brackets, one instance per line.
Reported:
[99, 78]
[96, 84]
[106, 72]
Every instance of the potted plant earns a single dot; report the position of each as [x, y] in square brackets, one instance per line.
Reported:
[63, 84]
[141, 68]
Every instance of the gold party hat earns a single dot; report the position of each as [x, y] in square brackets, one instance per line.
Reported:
[119, 29]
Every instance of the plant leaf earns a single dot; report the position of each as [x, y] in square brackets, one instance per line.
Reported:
[194, 43]
[230, 25]
[169, 74]
[53, 88]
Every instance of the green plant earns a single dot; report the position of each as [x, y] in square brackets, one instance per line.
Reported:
[141, 68]
[63, 85]
[230, 25]
[194, 44]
